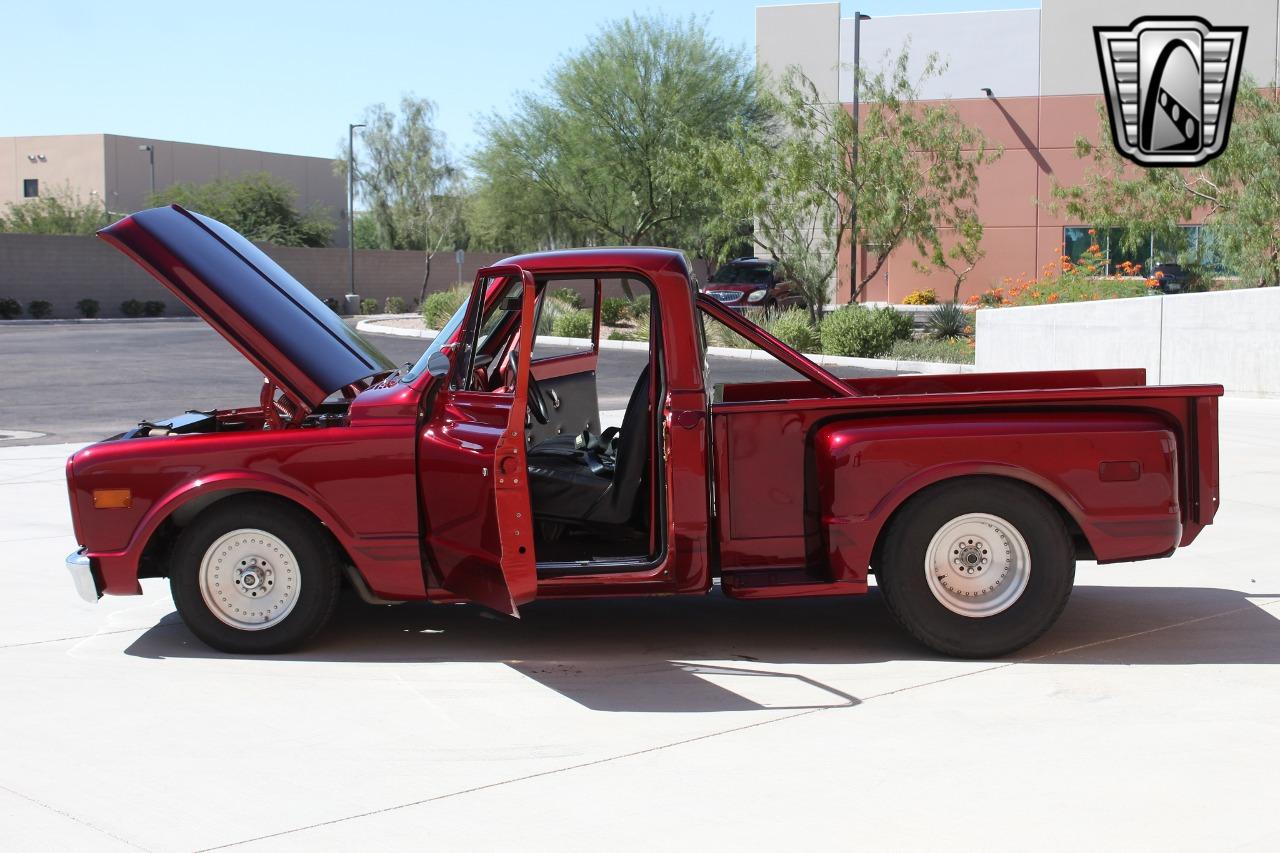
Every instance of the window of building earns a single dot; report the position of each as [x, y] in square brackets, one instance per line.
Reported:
[30, 188]
[1193, 244]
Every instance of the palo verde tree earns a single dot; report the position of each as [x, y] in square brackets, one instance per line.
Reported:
[955, 248]
[791, 177]
[259, 205]
[411, 185]
[596, 157]
[1237, 193]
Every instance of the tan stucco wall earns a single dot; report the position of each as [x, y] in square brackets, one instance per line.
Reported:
[59, 161]
[111, 167]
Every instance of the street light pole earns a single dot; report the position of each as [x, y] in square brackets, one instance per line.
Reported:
[151, 156]
[858, 18]
[351, 214]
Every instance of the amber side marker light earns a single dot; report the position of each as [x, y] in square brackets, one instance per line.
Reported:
[112, 499]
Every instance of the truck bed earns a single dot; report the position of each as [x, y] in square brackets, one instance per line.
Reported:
[805, 480]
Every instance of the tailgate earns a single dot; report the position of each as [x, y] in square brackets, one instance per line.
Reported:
[1202, 459]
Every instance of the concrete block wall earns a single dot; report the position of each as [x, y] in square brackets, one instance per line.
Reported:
[63, 270]
[1230, 338]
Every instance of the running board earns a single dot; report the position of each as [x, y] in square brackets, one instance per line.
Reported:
[783, 583]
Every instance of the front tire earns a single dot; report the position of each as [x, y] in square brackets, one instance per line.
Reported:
[976, 568]
[254, 576]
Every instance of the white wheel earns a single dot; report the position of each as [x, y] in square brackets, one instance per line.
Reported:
[249, 579]
[977, 565]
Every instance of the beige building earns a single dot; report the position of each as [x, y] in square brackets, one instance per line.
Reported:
[1029, 79]
[117, 171]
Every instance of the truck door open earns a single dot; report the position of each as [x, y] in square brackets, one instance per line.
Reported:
[478, 526]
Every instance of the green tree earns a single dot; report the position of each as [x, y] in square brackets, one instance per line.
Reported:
[414, 190]
[597, 157]
[259, 205]
[790, 178]
[1237, 193]
[59, 212]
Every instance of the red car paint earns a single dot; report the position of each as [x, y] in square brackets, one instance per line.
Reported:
[781, 489]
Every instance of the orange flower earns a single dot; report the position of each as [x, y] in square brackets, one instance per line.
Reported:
[1092, 232]
[1053, 297]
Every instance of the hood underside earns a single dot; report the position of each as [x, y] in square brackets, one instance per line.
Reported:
[278, 324]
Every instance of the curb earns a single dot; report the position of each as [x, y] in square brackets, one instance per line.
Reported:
[87, 321]
[889, 364]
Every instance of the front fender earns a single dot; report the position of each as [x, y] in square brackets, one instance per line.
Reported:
[119, 568]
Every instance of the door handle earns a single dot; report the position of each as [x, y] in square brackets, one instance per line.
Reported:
[555, 398]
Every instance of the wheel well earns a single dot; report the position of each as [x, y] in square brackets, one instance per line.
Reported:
[154, 562]
[1083, 551]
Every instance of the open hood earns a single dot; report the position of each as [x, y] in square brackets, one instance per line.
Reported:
[283, 328]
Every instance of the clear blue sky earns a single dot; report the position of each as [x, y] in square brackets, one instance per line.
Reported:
[288, 76]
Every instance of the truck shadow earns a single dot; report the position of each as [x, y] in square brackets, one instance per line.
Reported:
[710, 653]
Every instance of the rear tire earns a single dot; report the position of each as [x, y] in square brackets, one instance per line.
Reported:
[976, 568]
[254, 575]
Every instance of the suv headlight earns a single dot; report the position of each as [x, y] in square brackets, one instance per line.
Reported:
[756, 295]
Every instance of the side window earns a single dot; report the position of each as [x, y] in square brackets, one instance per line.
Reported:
[486, 336]
[566, 310]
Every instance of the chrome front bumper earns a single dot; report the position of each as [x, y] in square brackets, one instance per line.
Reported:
[82, 576]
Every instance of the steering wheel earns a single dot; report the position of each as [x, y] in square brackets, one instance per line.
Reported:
[537, 403]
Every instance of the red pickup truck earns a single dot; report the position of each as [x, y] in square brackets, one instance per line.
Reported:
[970, 497]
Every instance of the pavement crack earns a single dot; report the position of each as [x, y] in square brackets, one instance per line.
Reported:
[91, 636]
[74, 819]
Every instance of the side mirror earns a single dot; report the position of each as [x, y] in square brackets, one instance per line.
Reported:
[439, 363]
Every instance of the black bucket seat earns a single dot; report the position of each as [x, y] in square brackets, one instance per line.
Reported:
[583, 482]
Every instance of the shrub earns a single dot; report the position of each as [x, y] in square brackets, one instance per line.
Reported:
[720, 335]
[131, 308]
[88, 308]
[613, 310]
[948, 322]
[152, 308]
[863, 332]
[639, 333]
[794, 329]
[568, 296]
[39, 309]
[953, 352]
[921, 297]
[368, 306]
[10, 308]
[443, 304]
[640, 307]
[393, 305]
[553, 308]
[572, 324]
[333, 304]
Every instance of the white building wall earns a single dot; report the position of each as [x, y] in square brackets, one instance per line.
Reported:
[998, 50]
[1069, 57]
[807, 36]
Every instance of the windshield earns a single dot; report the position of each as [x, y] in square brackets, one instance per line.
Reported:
[730, 274]
[498, 310]
[446, 335]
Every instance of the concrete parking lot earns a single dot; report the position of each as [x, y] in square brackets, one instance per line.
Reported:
[1143, 721]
